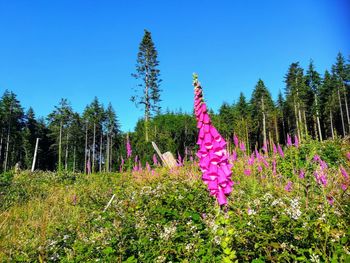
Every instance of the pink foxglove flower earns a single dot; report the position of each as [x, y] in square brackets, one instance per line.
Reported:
[289, 140]
[155, 160]
[128, 147]
[288, 186]
[330, 200]
[148, 167]
[247, 172]
[344, 173]
[264, 148]
[234, 156]
[274, 166]
[212, 154]
[179, 159]
[140, 166]
[280, 151]
[344, 187]
[301, 174]
[296, 141]
[316, 158]
[242, 146]
[251, 160]
[274, 148]
[235, 140]
[323, 165]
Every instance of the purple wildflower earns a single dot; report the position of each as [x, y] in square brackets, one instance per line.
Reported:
[289, 140]
[316, 158]
[234, 156]
[247, 172]
[274, 148]
[280, 151]
[242, 146]
[128, 147]
[344, 173]
[235, 140]
[288, 186]
[296, 141]
[330, 200]
[155, 160]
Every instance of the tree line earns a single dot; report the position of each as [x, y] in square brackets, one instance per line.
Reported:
[311, 106]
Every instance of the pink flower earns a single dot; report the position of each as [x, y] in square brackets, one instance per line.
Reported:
[274, 148]
[140, 166]
[274, 164]
[288, 186]
[280, 151]
[264, 148]
[179, 159]
[251, 160]
[321, 178]
[259, 168]
[212, 153]
[155, 160]
[296, 141]
[247, 172]
[301, 174]
[148, 166]
[344, 187]
[323, 165]
[235, 140]
[316, 158]
[289, 140]
[242, 146]
[344, 173]
[330, 200]
[128, 147]
[234, 156]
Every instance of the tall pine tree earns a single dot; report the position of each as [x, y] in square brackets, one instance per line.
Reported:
[147, 72]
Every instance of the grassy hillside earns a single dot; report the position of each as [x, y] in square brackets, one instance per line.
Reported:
[282, 209]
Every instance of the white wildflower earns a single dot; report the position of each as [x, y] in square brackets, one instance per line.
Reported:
[168, 232]
[315, 258]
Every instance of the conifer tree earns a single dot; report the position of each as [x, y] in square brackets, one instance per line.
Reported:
[339, 70]
[147, 73]
[313, 80]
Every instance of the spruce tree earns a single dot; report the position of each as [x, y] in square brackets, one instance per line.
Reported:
[313, 80]
[147, 73]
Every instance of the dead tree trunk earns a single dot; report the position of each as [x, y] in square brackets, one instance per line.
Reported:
[318, 120]
[93, 149]
[86, 142]
[66, 155]
[346, 107]
[100, 158]
[35, 152]
[60, 148]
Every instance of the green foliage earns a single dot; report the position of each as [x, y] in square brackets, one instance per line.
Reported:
[164, 215]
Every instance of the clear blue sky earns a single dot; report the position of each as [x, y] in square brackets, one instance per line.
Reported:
[81, 49]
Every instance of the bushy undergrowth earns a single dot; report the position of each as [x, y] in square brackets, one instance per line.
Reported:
[274, 215]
